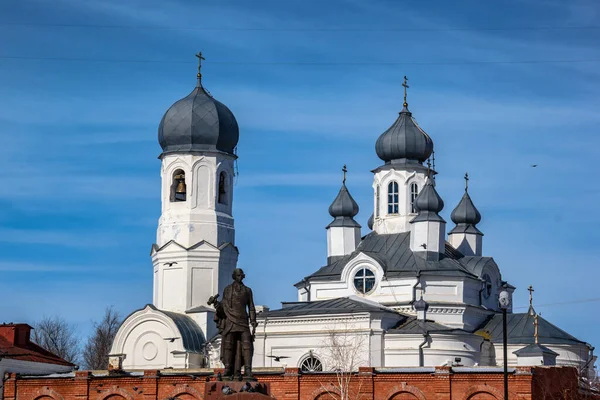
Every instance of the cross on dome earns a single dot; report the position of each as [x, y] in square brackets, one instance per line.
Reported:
[344, 170]
[405, 85]
[200, 58]
[466, 181]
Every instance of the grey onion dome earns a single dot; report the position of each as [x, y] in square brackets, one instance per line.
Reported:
[465, 212]
[429, 199]
[421, 305]
[198, 122]
[343, 205]
[404, 140]
[371, 221]
[428, 204]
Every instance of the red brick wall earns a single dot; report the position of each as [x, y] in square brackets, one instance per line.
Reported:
[537, 383]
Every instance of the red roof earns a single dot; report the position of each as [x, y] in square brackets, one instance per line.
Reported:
[15, 344]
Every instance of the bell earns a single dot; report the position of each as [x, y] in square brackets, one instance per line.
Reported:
[180, 187]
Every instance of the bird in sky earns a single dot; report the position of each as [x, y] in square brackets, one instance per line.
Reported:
[278, 358]
[170, 263]
[534, 165]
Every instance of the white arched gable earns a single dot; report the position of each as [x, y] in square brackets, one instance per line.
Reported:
[147, 337]
[354, 265]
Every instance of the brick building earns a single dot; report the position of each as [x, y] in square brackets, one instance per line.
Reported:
[439, 383]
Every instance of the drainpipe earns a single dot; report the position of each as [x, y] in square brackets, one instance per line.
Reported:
[421, 354]
[414, 288]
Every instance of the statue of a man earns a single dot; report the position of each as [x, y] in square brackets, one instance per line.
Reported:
[237, 308]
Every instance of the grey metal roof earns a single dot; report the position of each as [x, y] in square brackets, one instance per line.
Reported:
[534, 350]
[191, 335]
[476, 264]
[341, 305]
[198, 122]
[520, 330]
[393, 253]
[404, 140]
[413, 325]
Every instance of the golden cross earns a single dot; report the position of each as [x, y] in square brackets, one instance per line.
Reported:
[530, 289]
[405, 84]
[344, 170]
[200, 58]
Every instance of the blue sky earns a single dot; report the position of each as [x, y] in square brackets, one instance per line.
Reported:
[498, 85]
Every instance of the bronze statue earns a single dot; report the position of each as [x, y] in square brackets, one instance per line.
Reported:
[234, 315]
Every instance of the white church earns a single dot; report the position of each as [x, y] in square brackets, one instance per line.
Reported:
[412, 293]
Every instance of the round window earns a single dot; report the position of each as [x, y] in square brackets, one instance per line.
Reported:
[487, 289]
[364, 280]
[311, 364]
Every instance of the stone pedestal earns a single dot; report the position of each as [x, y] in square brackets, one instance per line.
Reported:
[232, 390]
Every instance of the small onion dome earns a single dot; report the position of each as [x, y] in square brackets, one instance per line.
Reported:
[371, 221]
[465, 215]
[343, 209]
[428, 204]
[198, 122]
[404, 140]
[465, 212]
[421, 305]
[343, 205]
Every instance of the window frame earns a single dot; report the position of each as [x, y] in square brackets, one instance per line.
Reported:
[367, 275]
[393, 198]
[413, 194]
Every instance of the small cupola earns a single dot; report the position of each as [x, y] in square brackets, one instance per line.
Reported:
[404, 141]
[198, 123]
[343, 233]
[465, 236]
[428, 229]
[421, 307]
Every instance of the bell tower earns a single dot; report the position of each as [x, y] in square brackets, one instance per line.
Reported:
[396, 184]
[195, 251]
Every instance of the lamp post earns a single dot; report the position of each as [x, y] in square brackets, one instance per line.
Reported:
[504, 303]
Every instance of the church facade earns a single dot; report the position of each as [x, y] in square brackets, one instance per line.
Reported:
[409, 293]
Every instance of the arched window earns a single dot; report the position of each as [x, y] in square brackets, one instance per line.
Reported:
[393, 197]
[377, 202]
[311, 364]
[222, 188]
[178, 186]
[487, 286]
[414, 192]
[364, 280]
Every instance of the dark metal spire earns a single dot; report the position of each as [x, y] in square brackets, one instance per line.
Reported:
[405, 85]
[199, 75]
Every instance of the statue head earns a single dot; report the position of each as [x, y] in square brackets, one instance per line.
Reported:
[238, 275]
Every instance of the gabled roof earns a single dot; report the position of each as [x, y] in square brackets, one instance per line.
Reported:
[393, 252]
[521, 330]
[412, 325]
[15, 344]
[535, 349]
[342, 305]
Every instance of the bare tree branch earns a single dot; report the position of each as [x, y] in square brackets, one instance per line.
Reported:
[344, 352]
[57, 336]
[97, 348]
